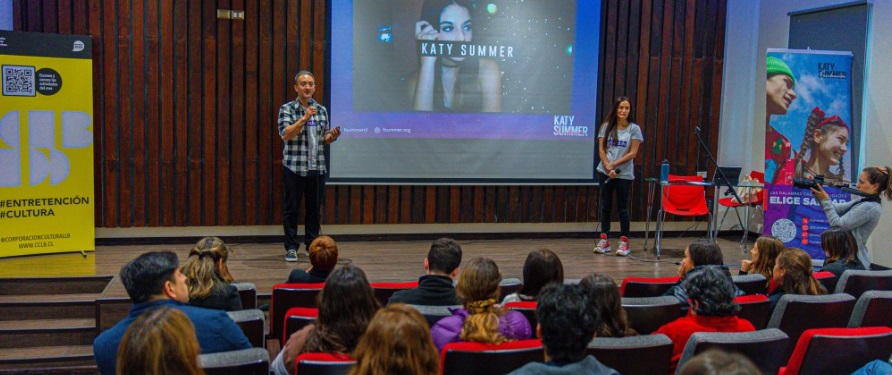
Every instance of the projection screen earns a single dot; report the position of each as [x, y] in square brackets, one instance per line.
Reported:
[464, 91]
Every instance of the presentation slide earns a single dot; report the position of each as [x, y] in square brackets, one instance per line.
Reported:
[439, 91]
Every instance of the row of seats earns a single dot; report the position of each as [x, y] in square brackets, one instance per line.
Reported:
[816, 351]
[288, 296]
[647, 311]
[852, 282]
[794, 313]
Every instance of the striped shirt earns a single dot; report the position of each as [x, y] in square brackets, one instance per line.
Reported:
[297, 152]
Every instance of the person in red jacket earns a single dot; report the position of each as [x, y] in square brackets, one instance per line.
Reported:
[712, 310]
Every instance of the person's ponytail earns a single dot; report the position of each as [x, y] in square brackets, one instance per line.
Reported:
[880, 175]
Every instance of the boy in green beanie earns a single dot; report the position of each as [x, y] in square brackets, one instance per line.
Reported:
[779, 91]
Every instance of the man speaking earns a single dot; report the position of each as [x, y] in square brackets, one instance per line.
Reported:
[303, 125]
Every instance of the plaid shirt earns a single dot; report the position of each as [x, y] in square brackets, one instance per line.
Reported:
[296, 152]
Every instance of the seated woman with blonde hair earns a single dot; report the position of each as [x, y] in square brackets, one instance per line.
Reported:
[161, 341]
[208, 277]
[397, 342]
[480, 319]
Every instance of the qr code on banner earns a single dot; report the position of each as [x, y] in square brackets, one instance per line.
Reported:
[18, 80]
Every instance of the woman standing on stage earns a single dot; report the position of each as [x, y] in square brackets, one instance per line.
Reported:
[618, 142]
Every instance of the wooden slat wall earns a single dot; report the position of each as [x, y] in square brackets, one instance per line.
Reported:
[185, 109]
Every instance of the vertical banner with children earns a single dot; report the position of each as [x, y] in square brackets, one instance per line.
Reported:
[808, 116]
[46, 144]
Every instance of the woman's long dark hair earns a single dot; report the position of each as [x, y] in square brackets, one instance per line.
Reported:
[839, 244]
[541, 267]
[605, 296]
[611, 119]
[347, 304]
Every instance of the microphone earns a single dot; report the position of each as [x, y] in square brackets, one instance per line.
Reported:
[697, 129]
[609, 178]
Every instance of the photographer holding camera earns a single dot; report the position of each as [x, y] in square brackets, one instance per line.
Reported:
[859, 216]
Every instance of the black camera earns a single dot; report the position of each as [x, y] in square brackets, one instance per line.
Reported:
[805, 183]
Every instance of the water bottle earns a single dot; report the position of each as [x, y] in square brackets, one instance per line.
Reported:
[664, 171]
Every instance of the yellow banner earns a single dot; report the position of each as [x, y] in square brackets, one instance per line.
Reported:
[46, 144]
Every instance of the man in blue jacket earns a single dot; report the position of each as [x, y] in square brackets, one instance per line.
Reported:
[152, 280]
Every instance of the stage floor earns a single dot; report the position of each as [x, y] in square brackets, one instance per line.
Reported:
[263, 263]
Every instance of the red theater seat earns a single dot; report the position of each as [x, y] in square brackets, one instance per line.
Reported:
[383, 291]
[527, 308]
[646, 286]
[297, 318]
[754, 307]
[838, 350]
[461, 358]
[286, 296]
[323, 364]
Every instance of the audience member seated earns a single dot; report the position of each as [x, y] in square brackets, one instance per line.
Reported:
[764, 253]
[397, 341]
[697, 255]
[161, 341]
[208, 276]
[435, 287]
[712, 310]
[793, 274]
[346, 305]
[481, 320]
[323, 259]
[567, 322]
[154, 280]
[604, 295]
[541, 267]
[841, 250]
[717, 362]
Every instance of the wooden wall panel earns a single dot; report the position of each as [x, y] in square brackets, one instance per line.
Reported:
[186, 108]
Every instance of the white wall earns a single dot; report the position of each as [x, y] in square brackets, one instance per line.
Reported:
[877, 115]
[771, 29]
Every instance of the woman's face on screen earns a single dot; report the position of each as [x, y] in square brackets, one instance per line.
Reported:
[455, 25]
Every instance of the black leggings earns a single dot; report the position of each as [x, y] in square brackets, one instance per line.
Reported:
[622, 189]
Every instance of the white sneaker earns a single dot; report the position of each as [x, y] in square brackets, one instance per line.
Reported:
[603, 245]
[623, 248]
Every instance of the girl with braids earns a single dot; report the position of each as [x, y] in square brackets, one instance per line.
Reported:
[618, 142]
[793, 274]
[480, 319]
[605, 297]
[825, 144]
[346, 304]
[862, 215]
[208, 277]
